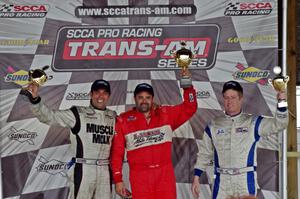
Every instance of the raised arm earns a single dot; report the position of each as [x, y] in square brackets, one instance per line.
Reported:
[64, 118]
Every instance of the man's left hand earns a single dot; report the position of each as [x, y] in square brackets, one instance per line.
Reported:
[281, 95]
[185, 73]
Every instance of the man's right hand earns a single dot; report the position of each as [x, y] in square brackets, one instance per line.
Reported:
[122, 190]
[33, 88]
[196, 187]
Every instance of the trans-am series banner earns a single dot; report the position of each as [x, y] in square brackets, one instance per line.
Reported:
[139, 47]
[126, 43]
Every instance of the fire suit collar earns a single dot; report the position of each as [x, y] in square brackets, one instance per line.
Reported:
[234, 117]
[95, 108]
[152, 111]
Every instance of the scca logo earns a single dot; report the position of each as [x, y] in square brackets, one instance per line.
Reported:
[23, 11]
[32, 8]
[244, 9]
[20, 77]
[252, 6]
[23, 8]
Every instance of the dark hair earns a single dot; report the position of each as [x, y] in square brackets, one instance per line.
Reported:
[100, 84]
[143, 87]
[234, 85]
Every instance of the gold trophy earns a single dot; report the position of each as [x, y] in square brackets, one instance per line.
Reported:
[37, 77]
[183, 58]
[279, 83]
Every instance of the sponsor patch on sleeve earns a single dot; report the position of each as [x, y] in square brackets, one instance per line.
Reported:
[191, 97]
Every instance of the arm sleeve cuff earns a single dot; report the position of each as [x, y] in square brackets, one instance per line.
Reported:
[198, 172]
[118, 178]
[282, 109]
[35, 100]
[189, 88]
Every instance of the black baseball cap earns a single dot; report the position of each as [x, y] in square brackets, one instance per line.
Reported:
[234, 85]
[100, 84]
[143, 87]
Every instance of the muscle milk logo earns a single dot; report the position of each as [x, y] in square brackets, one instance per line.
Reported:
[244, 9]
[23, 11]
[52, 167]
[101, 133]
[21, 135]
[148, 137]
[18, 77]
[251, 74]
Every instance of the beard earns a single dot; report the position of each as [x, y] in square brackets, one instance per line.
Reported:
[143, 108]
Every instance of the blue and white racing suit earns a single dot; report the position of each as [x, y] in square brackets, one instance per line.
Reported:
[231, 143]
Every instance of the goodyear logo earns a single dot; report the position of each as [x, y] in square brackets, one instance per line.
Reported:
[251, 74]
[20, 77]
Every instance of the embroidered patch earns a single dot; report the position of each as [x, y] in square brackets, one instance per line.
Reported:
[241, 130]
[131, 118]
[279, 115]
[191, 97]
[220, 131]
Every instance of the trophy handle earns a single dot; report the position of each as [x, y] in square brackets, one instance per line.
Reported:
[271, 82]
[286, 79]
[30, 72]
[45, 67]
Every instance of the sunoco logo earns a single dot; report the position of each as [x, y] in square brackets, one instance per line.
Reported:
[21, 135]
[77, 96]
[203, 94]
[251, 74]
[52, 167]
[23, 11]
[244, 9]
[20, 77]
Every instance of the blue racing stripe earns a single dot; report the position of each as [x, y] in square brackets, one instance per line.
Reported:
[217, 179]
[250, 161]
[208, 132]
[216, 186]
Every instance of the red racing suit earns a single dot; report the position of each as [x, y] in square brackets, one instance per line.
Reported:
[149, 147]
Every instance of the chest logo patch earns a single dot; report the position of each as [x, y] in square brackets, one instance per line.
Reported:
[241, 130]
[220, 131]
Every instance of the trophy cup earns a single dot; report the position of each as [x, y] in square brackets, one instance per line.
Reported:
[183, 58]
[37, 77]
[279, 83]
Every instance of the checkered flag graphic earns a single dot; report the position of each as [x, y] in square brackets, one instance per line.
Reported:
[232, 6]
[6, 7]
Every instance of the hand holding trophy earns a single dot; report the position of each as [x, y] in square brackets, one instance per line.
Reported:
[183, 58]
[279, 83]
[36, 78]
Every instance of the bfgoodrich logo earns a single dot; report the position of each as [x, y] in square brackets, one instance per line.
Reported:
[243, 9]
[23, 11]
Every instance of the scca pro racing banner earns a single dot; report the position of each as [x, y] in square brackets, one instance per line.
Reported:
[133, 47]
[128, 42]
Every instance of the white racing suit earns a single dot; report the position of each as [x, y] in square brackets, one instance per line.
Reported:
[231, 143]
[93, 131]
